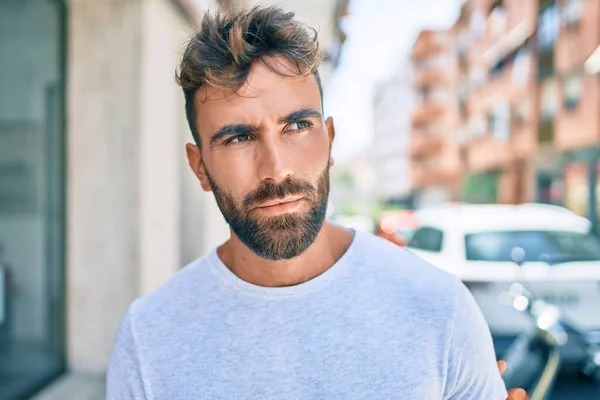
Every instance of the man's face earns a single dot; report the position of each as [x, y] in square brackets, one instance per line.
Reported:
[265, 155]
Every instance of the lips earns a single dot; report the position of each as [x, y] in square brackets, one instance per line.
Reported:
[276, 202]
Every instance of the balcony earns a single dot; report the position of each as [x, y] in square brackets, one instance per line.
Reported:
[487, 154]
[430, 43]
[432, 77]
[427, 112]
[433, 175]
[422, 144]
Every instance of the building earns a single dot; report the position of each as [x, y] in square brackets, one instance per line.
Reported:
[434, 150]
[342, 10]
[528, 100]
[501, 96]
[390, 149]
[574, 123]
[97, 203]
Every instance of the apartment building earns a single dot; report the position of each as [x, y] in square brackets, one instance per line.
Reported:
[529, 106]
[390, 150]
[499, 94]
[434, 151]
[574, 122]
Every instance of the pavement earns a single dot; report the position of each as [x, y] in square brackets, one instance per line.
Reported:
[74, 386]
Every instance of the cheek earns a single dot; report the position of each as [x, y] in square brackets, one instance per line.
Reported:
[311, 151]
[234, 174]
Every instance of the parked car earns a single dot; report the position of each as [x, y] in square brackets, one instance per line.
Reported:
[474, 242]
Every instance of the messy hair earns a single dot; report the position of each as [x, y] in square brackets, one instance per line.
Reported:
[221, 54]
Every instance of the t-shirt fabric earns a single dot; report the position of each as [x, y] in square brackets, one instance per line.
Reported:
[379, 324]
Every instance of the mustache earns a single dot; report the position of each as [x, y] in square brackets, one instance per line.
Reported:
[271, 191]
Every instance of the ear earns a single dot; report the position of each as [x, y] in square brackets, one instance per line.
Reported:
[194, 156]
[330, 130]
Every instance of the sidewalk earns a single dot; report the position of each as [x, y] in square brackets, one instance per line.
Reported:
[75, 387]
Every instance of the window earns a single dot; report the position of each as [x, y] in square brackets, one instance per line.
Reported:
[549, 99]
[477, 77]
[549, 27]
[497, 19]
[428, 239]
[499, 121]
[521, 112]
[521, 70]
[573, 88]
[476, 126]
[424, 93]
[571, 12]
[545, 246]
[477, 24]
[32, 179]
[441, 61]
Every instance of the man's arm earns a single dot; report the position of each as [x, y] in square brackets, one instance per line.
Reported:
[124, 377]
[472, 372]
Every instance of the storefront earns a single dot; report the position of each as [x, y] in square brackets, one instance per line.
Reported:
[32, 201]
[482, 187]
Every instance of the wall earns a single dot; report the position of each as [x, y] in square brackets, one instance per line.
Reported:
[136, 212]
[103, 178]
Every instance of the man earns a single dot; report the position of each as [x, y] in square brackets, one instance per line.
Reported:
[291, 306]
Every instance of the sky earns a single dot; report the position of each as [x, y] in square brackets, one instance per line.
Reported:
[380, 34]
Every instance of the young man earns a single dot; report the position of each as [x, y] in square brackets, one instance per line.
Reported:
[291, 306]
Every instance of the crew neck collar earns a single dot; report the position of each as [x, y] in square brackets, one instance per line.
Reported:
[232, 279]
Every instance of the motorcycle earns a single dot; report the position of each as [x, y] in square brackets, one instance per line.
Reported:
[534, 358]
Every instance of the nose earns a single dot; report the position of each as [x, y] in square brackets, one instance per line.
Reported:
[273, 159]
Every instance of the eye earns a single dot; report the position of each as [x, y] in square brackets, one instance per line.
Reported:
[238, 139]
[299, 125]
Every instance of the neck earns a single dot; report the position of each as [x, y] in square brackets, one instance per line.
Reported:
[331, 243]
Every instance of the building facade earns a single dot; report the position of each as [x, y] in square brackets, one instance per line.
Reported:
[528, 95]
[500, 91]
[434, 151]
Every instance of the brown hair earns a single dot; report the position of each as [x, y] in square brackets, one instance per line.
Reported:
[222, 52]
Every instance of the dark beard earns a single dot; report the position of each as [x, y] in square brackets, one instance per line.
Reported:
[280, 237]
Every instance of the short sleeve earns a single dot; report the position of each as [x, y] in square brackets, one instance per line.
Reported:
[124, 378]
[472, 370]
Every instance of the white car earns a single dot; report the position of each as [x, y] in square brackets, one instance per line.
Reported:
[475, 242]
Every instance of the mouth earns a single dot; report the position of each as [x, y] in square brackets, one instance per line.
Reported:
[277, 202]
[281, 206]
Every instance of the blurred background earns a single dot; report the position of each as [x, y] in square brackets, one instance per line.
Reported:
[467, 130]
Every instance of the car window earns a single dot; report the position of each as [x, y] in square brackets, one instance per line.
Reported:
[428, 239]
[546, 246]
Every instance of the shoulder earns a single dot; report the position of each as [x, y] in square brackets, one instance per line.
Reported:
[381, 256]
[406, 274]
[192, 285]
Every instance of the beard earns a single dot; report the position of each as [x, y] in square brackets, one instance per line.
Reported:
[280, 237]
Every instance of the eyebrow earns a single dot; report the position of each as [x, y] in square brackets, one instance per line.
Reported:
[246, 129]
[232, 130]
[301, 114]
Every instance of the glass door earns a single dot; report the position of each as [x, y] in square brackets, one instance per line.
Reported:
[32, 184]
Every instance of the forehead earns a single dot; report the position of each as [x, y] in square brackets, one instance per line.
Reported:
[266, 95]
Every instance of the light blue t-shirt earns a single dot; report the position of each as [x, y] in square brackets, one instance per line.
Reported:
[379, 324]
